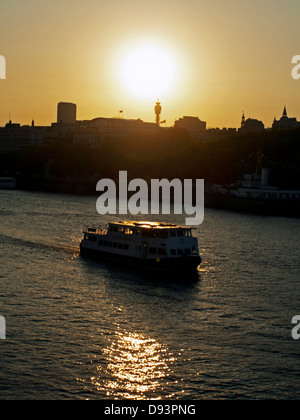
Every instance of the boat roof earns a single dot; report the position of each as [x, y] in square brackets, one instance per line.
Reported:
[149, 225]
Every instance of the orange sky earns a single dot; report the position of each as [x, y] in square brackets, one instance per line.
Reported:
[230, 56]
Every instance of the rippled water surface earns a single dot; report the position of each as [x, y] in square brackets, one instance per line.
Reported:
[77, 328]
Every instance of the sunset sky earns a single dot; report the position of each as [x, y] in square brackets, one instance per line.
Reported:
[211, 59]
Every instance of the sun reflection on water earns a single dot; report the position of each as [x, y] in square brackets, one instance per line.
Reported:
[136, 367]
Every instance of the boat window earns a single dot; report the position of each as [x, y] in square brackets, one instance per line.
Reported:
[160, 233]
[120, 229]
[172, 233]
[146, 233]
[128, 231]
[152, 250]
[126, 246]
[187, 251]
[138, 248]
[100, 242]
[120, 245]
[91, 238]
[180, 233]
[188, 232]
[179, 251]
[162, 251]
[150, 233]
[173, 251]
[105, 243]
[110, 244]
[194, 251]
[115, 245]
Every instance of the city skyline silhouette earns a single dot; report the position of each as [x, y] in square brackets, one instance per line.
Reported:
[223, 59]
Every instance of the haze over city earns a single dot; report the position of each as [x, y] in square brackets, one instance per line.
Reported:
[199, 58]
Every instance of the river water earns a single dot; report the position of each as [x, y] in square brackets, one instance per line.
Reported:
[79, 329]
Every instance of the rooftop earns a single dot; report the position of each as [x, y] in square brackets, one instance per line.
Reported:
[146, 224]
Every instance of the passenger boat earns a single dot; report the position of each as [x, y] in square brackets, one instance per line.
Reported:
[253, 194]
[147, 244]
[7, 183]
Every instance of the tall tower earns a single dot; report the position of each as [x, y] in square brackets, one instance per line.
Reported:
[66, 113]
[157, 112]
[243, 120]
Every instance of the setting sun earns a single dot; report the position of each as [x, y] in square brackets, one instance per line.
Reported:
[148, 72]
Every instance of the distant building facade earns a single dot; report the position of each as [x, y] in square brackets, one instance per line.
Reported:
[66, 113]
[95, 131]
[251, 125]
[285, 122]
[212, 132]
[14, 137]
[193, 125]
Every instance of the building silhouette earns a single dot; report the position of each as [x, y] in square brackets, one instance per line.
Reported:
[193, 125]
[66, 113]
[15, 137]
[94, 132]
[251, 125]
[285, 122]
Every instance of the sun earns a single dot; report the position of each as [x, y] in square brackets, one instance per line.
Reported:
[148, 72]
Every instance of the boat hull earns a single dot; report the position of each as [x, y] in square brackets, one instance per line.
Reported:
[8, 185]
[177, 265]
[285, 208]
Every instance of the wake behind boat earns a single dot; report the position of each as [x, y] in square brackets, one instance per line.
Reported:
[147, 244]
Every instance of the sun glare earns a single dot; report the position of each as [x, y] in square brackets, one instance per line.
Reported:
[148, 72]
